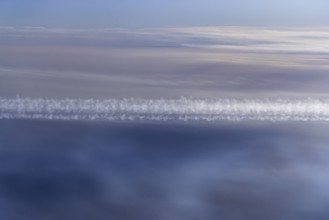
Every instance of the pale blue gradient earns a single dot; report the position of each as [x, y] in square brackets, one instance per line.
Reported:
[156, 13]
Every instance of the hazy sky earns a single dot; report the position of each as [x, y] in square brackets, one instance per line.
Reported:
[207, 62]
[153, 48]
[156, 13]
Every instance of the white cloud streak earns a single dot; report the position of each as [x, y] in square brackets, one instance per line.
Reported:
[183, 109]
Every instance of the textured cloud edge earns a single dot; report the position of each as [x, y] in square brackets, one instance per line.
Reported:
[183, 109]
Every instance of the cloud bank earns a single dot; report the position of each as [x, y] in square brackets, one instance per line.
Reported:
[166, 109]
[207, 62]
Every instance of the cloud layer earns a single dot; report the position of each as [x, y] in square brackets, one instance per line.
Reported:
[166, 109]
[245, 171]
[211, 62]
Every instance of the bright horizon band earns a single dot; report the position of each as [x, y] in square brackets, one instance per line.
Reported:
[183, 109]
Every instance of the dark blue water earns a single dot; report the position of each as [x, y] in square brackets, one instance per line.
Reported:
[54, 170]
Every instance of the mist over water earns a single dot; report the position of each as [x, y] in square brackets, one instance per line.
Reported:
[97, 170]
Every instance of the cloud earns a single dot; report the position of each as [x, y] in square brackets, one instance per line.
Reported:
[166, 110]
[82, 170]
[204, 62]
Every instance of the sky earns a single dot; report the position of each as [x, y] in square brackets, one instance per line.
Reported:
[157, 13]
[205, 62]
[178, 73]
[163, 49]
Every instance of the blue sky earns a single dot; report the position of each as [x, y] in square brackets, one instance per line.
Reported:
[156, 13]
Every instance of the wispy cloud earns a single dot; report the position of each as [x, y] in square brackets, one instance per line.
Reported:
[205, 62]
